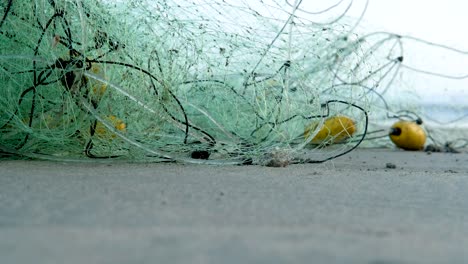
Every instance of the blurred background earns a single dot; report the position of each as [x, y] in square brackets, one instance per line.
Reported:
[441, 22]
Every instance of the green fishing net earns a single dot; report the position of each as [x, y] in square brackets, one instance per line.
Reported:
[206, 81]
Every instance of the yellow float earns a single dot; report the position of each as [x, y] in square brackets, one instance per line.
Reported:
[103, 132]
[408, 135]
[334, 129]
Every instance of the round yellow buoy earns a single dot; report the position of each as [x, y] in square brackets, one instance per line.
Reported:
[408, 135]
[103, 132]
[99, 88]
[335, 129]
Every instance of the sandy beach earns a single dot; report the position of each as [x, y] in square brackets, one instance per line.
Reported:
[371, 206]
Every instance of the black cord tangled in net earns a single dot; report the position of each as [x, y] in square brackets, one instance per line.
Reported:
[192, 117]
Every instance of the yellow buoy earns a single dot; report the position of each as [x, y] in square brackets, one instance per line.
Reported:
[103, 132]
[408, 135]
[335, 129]
[99, 88]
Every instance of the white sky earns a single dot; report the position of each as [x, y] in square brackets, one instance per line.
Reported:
[444, 22]
[440, 21]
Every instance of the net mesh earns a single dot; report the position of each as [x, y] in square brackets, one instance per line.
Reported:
[206, 81]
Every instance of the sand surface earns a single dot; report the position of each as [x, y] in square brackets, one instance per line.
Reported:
[350, 210]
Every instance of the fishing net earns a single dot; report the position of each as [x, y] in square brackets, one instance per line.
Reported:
[202, 81]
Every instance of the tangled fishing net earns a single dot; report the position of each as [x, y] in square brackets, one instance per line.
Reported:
[201, 81]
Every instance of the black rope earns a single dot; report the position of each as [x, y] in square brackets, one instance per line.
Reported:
[7, 9]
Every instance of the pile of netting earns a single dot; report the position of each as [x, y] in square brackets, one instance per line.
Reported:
[202, 81]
